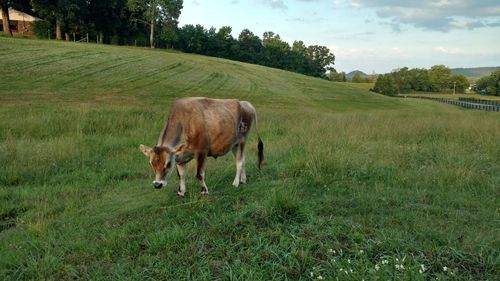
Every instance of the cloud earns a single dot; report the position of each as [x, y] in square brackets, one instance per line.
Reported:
[275, 4]
[442, 15]
[306, 19]
[448, 51]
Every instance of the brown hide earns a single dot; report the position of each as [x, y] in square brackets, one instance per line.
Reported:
[207, 126]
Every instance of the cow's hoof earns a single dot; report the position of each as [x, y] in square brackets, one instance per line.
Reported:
[180, 194]
[205, 192]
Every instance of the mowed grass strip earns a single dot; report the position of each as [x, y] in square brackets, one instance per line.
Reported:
[355, 185]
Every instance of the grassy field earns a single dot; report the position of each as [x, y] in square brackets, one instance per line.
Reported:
[355, 185]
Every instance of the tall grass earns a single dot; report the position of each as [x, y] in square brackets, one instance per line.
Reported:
[355, 185]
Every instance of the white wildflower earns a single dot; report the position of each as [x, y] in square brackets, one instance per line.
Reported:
[311, 273]
[361, 251]
[385, 262]
[320, 277]
[348, 261]
[422, 269]
[445, 268]
[377, 267]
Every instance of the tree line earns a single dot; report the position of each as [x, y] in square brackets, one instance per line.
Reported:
[438, 78]
[155, 23]
[489, 85]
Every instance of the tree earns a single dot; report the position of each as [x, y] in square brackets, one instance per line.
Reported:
[51, 10]
[153, 12]
[460, 83]
[250, 46]
[336, 76]
[489, 85]
[419, 80]
[385, 85]
[321, 60]
[5, 5]
[440, 77]
[275, 51]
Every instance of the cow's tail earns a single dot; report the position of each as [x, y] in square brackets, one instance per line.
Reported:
[260, 146]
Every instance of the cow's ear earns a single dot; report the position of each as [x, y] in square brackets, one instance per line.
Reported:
[178, 149]
[146, 150]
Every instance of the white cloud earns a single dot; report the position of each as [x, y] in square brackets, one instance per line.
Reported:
[275, 4]
[448, 51]
[442, 15]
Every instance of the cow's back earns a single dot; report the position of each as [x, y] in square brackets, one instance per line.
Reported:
[210, 125]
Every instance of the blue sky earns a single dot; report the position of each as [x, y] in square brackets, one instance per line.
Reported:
[369, 35]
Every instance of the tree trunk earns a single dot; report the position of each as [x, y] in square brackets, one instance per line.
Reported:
[6, 19]
[101, 36]
[58, 28]
[151, 36]
[66, 36]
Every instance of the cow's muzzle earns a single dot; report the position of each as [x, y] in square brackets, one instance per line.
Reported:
[158, 184]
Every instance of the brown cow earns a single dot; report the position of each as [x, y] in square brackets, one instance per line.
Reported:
[201, 127]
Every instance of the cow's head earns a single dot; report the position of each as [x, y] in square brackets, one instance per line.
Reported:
[162, 161]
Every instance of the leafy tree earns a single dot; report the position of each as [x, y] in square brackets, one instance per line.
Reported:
[192, 39]
[386, 85]
[155, 12]
[275, 51]
[419, 80]
[336, 76]
[440, 77]
[5, 5]
[321, 60]
[250, 46]
[52, 11]
[460, 83]
[489, 85]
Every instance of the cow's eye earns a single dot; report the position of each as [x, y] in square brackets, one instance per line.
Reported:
[168, 165]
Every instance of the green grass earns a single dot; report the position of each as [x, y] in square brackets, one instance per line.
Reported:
[361, 86]
[355, 184]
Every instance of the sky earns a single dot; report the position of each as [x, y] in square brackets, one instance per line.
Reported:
[374, 36]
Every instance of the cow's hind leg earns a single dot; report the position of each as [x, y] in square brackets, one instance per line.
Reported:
[240, 165]
[243, 176]
[200, 172]
[181, 170]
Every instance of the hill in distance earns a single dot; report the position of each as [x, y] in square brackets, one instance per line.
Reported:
[475, 72]
[352, 73]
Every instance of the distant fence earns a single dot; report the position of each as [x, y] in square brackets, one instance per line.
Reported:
[481, 101]
[461, 103]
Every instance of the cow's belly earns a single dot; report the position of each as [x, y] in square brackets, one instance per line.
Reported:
[221, 144]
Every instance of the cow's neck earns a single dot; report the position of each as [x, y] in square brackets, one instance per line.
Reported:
[170, 135]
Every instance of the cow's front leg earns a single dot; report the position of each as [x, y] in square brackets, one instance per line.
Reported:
[200, 172]
[181, 170]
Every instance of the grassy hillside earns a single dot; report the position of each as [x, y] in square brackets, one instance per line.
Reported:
[355, 185]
